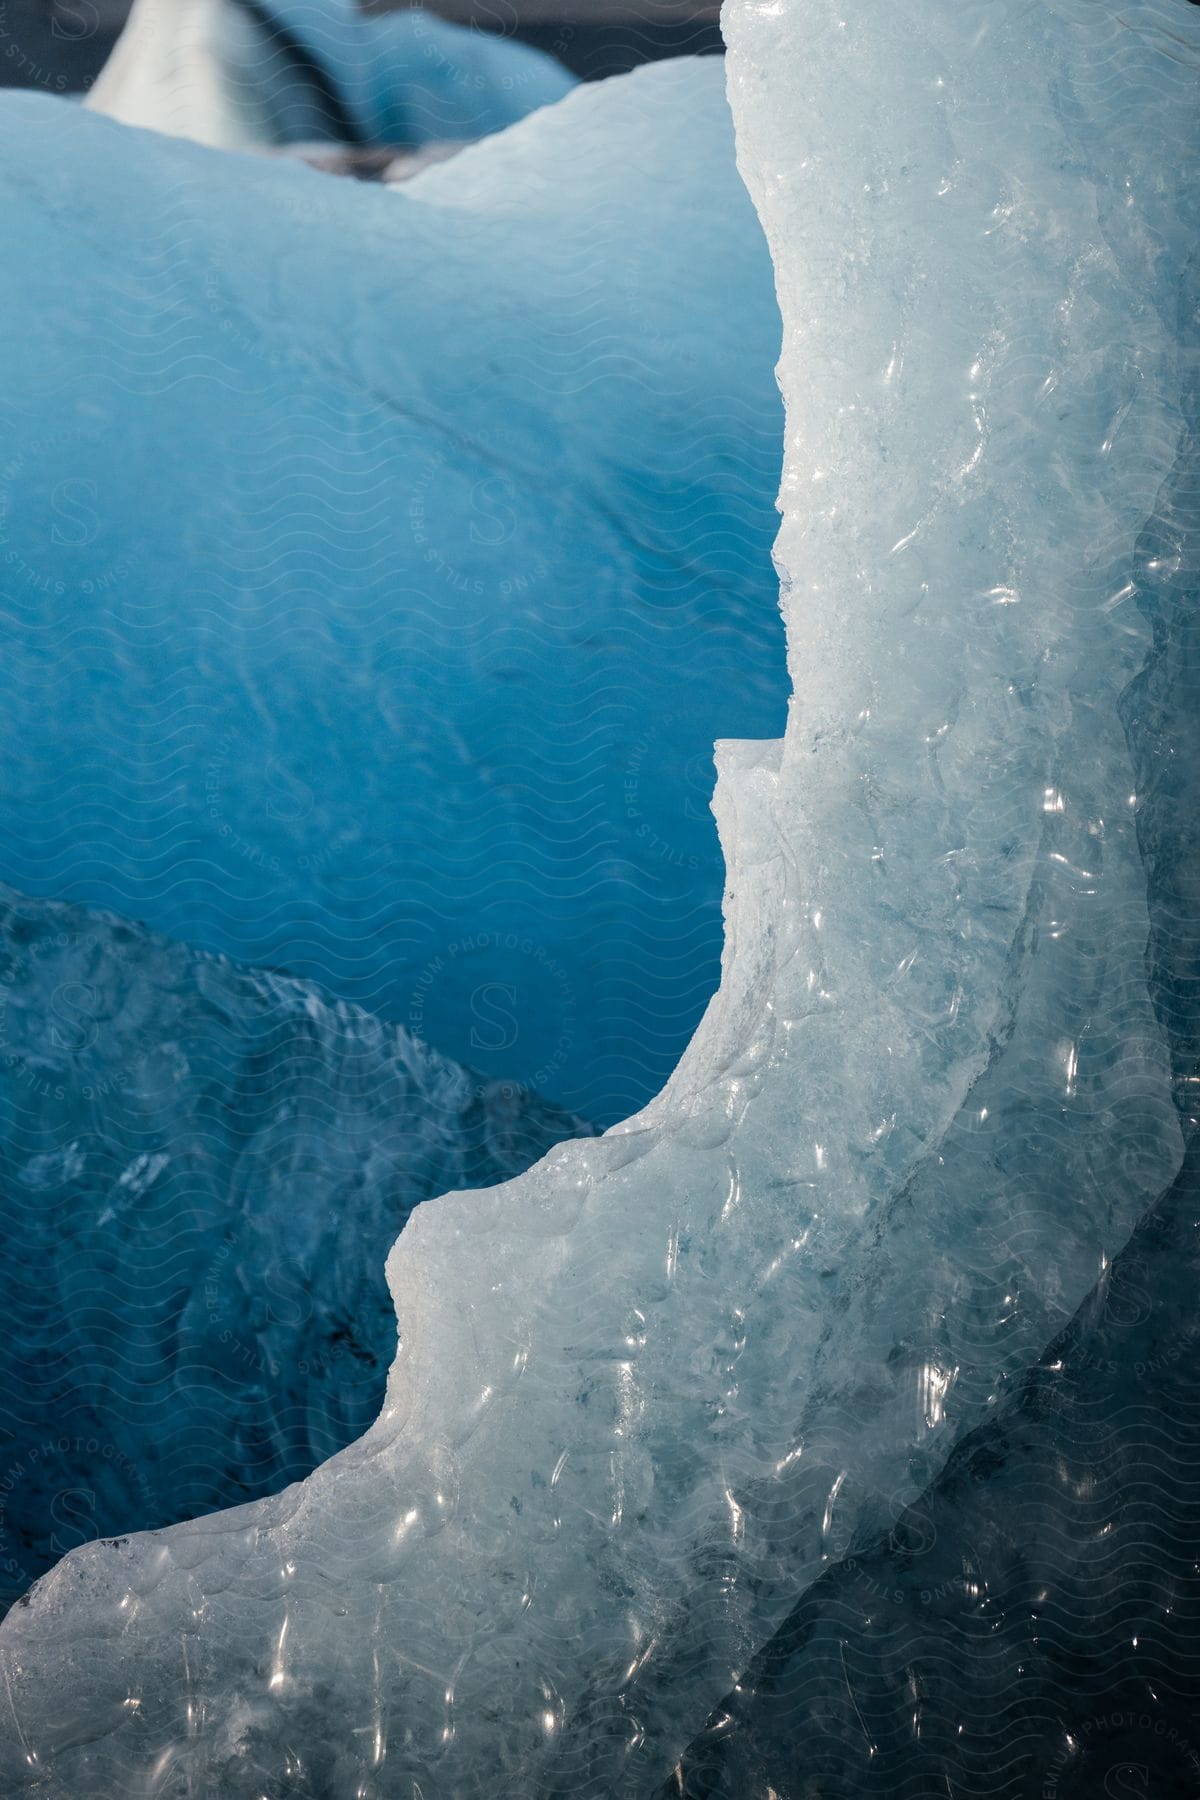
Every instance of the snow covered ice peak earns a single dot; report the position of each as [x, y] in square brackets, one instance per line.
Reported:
[645, 1391]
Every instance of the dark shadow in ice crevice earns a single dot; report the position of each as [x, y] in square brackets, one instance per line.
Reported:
[1032, 1624]
[1160, 711]
[202, 1169]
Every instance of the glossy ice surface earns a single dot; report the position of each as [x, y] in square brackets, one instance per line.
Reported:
[647, 1392]
[379, 567]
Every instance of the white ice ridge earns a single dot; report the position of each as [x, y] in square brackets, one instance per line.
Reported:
[645, 1390]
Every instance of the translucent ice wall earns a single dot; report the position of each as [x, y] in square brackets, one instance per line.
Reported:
[392, 561]
[1028, 1626]
[646, 1392]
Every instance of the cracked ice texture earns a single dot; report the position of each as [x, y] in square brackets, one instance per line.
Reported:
[1030, 1623]
[643, 1393]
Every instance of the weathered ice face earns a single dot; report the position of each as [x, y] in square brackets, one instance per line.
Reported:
[649, 1394]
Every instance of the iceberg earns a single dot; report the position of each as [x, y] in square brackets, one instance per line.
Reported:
[380, 566]
[1027, 1625]
[202, 1169]
[249, 74]
[647, 1392]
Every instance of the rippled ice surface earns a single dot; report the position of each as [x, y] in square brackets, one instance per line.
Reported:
[646, 1394]
[202, 1169]
[1030, 1624]
[374, 599]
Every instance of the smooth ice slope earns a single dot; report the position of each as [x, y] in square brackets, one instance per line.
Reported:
[644, 1392]
[202, 1169]
[380, 567]
[301, 71]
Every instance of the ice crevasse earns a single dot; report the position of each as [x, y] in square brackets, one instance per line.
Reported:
[646, 1392]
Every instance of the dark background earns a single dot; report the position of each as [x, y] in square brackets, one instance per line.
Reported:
[60, 45]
